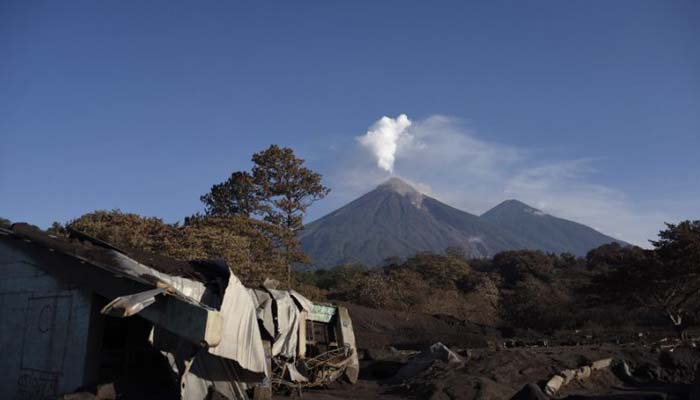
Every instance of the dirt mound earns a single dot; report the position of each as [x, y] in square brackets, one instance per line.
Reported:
[681, 365]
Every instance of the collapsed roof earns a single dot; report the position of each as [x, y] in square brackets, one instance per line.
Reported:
[199, 302]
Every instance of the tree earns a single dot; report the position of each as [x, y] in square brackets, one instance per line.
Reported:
[665, 280]
[677, 282]
[612, 255]
[235, 196]
[531, 303]
[444, 272]
[279, 189]
[285, 189]
[517, 265]
[679, 246]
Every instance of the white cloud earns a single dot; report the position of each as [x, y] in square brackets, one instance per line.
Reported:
[564, 189]
[442, 158]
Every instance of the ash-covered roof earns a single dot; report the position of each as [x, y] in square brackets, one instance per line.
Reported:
[100, 253]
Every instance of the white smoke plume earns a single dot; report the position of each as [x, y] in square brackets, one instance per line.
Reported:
[470, 172]
[383, 138]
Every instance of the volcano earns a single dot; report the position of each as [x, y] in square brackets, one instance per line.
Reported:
[396, 220]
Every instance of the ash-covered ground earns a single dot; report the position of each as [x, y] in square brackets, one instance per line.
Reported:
[645, 365]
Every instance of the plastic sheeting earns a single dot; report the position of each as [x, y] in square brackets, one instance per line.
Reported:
[240, 335]
[126, 306]
[199, 373]
[263, 305]
[287, 336]
[240, 338]
[207, 374]
[305, 303]
[186, 289]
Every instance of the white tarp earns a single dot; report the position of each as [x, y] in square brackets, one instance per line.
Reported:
[286, 339]
[263, 305]
[240, 339]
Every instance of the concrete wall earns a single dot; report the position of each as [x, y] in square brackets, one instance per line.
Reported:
[44, 325]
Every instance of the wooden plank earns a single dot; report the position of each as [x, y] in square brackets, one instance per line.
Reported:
[302, 334]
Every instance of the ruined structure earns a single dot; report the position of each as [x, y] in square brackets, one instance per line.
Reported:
[76, 311]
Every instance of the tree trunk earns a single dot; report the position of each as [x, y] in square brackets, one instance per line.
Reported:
[679, 325]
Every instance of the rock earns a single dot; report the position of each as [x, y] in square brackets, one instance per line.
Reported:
[466, 354]
[601, 364]
[583, 373]
[106, 392]
[568, 375]
[436, 352]
[553, 385]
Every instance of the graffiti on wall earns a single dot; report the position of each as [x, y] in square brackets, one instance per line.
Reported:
[33, 385]
[44, 346]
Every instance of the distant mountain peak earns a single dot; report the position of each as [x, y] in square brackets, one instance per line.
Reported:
[513, 205]
[399, 186]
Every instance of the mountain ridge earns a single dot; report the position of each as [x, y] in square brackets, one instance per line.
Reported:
[395, 219]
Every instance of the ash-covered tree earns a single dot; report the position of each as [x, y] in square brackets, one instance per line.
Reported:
[677, 282]
[664, 280]
[516, 265]
[285, 189]
[236, 195]
[530, 295]
[279, 189]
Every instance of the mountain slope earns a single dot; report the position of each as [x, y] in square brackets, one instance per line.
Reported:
[396, 220]
[541, 231]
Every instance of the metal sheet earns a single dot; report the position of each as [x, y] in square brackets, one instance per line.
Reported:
[322, 313]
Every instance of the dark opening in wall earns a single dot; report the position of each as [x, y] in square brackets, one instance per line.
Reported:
[127, 359]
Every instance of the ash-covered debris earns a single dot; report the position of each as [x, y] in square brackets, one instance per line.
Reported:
[427, 357]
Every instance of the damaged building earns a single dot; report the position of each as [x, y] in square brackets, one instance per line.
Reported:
[76, 312]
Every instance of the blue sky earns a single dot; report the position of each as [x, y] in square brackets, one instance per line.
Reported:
[587, 109]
